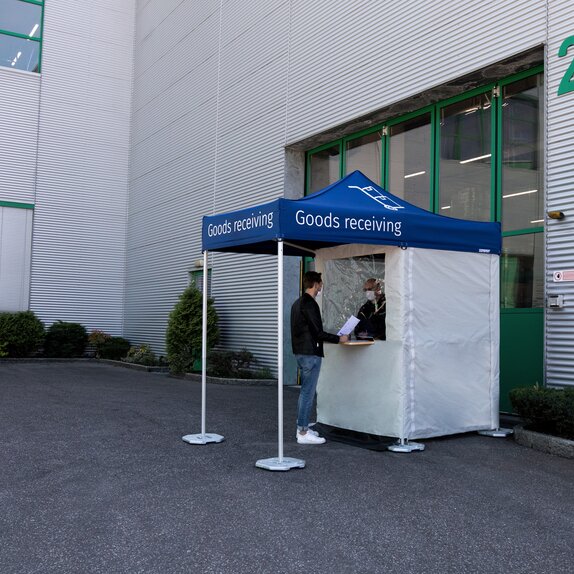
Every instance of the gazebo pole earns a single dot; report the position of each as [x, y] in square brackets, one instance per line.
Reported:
[280, 463]
[203, 437]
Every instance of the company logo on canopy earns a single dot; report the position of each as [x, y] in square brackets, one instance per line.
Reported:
[377, 196]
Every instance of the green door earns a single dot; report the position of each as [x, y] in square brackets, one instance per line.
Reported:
[521, 351]
[521, 314]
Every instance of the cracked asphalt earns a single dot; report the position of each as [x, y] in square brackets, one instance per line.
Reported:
[94, 478]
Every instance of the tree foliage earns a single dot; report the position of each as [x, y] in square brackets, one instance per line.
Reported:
[184, 330]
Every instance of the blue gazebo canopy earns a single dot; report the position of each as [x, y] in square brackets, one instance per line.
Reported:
[351, 210]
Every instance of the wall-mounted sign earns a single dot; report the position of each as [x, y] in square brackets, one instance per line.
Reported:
[567, 83]
[567, 275]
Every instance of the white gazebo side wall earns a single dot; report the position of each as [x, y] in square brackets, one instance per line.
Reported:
[437, 372]
[452, 343]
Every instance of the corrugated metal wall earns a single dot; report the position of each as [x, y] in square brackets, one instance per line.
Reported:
[83, 151]
[560, 196]
[222, 86]
[19, 99]
[208, 136]
[351, 58]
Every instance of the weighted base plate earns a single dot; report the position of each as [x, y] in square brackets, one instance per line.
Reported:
[202, 438]
[285, 463]
[496, 433]
[406, 447]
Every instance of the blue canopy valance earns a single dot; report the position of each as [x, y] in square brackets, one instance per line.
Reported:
[352, 210]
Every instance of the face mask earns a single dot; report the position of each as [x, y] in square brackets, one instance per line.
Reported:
[370, 295]
[319, 292]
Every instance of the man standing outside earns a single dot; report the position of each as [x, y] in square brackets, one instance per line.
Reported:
[307, 338]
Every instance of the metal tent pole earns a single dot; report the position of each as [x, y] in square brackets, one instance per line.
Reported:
[280, 463]
[203, 437]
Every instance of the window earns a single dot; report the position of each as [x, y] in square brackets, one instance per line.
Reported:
[196, 278]
[522, 271]
[409, 160]
[477, 156]
[365, 154]
[21, 34]
[466, 159]
[522, 192]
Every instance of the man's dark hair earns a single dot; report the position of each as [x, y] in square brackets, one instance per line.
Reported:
[310, 278]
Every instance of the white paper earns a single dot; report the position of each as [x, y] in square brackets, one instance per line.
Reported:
[348, 327]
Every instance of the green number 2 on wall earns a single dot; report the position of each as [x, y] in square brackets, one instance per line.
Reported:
[566, 84]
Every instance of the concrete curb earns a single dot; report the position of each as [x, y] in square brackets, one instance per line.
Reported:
[133, 366]
[544, 442]
[48, 360]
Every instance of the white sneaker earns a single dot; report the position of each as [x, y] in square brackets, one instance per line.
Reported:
[309, 438]
[313, 432]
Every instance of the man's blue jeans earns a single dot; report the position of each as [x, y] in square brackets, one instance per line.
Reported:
[309, 367]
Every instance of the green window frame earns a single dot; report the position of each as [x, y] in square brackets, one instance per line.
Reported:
[494, 96]
[34, 36]
[435, 110]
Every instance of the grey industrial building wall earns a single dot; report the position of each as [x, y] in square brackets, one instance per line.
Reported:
[78, 255]
[223, 88]
[222, 98]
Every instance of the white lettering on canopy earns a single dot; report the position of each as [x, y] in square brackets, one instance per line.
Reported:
[372, 224]
[252, 221]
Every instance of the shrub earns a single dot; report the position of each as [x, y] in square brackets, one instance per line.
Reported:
[21, 334]
[235, 365]
[65, 340]
[184, 330]
[114, 348]
[96, 338]
[141, 355]
[546, 410]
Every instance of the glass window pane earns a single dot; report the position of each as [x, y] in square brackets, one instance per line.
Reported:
[19, 53]
[409, 160]
[325, 166]
[466, 159]
[522, 189]
[364, 154]
[522, 271]
[20, 17]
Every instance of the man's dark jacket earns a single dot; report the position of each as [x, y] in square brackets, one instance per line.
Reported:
[307, 335]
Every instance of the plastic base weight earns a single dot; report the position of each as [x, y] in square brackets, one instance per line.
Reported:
[406, 446]
[496, 433]
[275, 463]
[202, 438]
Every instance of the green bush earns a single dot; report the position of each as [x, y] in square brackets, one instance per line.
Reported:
[184, 330]
[21, 334]
[65, 340]
[114, 348]
[545, 410]
[141, 355]
[96, 338]
[235, 365]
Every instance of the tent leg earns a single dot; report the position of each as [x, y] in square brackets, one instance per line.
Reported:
[496, 433]
[280, 462]
[403, 445]
[203, 437]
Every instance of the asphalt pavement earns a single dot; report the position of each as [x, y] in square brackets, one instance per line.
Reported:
[94, 478]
